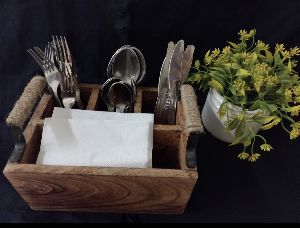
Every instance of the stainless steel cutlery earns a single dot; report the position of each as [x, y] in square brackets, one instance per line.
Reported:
[60, 71]
[125, 70]
[174, 71]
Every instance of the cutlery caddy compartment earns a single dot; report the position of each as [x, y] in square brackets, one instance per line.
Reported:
[163, 189]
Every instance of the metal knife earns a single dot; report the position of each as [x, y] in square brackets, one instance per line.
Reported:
[175, 68]
[187, 61]
[163, 85]
[164, 72]
[174, 78]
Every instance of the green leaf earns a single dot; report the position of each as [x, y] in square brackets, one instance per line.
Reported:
[274, 122]
[197, 64]
[222, 109]
[234, 66]
[254, 58]
[207, 54]
[218, 77]
[195, 77]
[269, 56]
[263, 106]
[272, 108]
[235, 46]
[283, 76]
[256, 105]
[242, 73]
[245, 137]
[233, 125]
[290, 66]
[216, 85]
[264, 120]
[277, 59]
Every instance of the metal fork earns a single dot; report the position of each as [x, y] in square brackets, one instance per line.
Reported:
[66, 64]
[52, 74]
[67, 90]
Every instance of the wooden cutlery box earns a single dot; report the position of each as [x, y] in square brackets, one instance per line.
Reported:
[163, 189]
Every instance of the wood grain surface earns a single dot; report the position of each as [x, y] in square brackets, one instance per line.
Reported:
[164, 189]
[102, 189]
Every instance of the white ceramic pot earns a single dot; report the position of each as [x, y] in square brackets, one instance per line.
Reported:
[215, 125]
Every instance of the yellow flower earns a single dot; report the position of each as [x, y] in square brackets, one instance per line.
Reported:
[266, 147]
[279, 47]
[295, 132]
[208, 60]
[262, 46]
[296, 125]
[295, 51]
[297, 99]
[293, 110]
[271, 80]
[297, 90]
[241, 116]
[288, 95]
[243, 155]
[258, 82]
[226, 123]
[254, 157]
[216, 52]
[286, 55]
[295, 113]
[245, 35]
[239, 86]
[242, 33]
[226, 50]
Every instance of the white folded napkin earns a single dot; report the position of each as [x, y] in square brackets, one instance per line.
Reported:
[100, 115]
[97, 139]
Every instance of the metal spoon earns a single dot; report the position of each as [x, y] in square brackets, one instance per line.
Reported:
[141, 60]
[104, 93]
[119, 96]
[126, 65]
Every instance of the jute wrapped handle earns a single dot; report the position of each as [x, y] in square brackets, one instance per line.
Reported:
[192, 123]
[25, 104]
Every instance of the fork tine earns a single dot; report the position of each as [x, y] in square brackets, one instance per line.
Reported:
[59, 49]
[63, 49]
[70, 80]
[46, 60]
[37, 59]
[39, 52]
[68, 51]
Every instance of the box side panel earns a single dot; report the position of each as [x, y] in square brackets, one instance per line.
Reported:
[96, 193]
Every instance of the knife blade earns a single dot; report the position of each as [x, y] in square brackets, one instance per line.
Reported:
[175, 68]
[164, 72]
[174, 78]
[187, 61]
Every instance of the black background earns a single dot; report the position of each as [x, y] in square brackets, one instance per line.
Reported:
[228, 190]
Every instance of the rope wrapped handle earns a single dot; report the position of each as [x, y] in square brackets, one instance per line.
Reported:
[25, 104]
[192, 123]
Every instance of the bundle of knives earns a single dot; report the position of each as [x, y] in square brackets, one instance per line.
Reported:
[174, 72]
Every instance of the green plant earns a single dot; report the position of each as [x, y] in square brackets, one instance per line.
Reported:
[247, 74]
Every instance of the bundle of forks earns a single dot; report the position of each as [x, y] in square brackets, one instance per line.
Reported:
[60, 71]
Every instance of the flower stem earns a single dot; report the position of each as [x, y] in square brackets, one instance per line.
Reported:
[286, 117]
[265, 141]
[284, 128]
